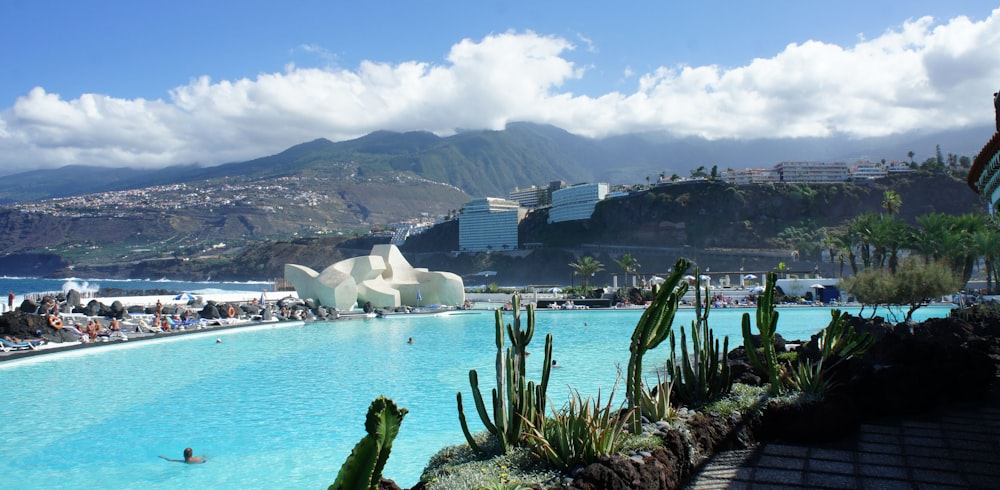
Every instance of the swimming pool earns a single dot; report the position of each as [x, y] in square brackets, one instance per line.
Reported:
[282, 407]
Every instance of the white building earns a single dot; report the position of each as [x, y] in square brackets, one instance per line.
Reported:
[489, 224]
[864, 169]
[898, 167]
[576, 202]
[535, 196]
[812, 172]
[750, 176]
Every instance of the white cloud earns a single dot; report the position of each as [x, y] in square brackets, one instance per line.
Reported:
[920, 76]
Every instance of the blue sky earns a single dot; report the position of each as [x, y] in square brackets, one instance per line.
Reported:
[160, 83]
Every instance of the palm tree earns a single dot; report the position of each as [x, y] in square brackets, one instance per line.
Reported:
[890, 235]
[987, 243]
[933, 232]
[862, 230]
[891, 202]
[587, 266]
[629, 264]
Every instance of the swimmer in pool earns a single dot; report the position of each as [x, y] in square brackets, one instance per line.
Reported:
[189, 457]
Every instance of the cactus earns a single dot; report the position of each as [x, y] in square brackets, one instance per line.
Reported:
[704, 375]
[363, 468]
[652, 329]
[767, 325]
[515, 400]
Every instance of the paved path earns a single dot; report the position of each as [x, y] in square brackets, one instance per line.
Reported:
[956, 446]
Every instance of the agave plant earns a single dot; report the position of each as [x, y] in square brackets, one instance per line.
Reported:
[655, 405]
[578, 434]
[809, 378]
[836, 343]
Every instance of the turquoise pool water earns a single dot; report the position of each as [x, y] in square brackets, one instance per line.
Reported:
[282, 407]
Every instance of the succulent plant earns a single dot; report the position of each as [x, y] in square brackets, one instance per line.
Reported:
[363, 468]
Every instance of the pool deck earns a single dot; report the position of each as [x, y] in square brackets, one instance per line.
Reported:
[211, 326]
[148, 301]
[953, 446]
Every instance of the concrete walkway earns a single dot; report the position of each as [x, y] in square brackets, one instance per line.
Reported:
[954, 446]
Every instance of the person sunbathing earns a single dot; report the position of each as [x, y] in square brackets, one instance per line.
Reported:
[189, 457]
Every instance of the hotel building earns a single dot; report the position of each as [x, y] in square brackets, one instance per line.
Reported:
[489, 224]
[576, 202]
[535, 196]
[864, 169]
[751, 176]
[812, 172]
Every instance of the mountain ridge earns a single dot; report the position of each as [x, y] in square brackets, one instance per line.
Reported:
[493, 162]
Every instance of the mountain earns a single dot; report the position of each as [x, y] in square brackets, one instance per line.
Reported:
[492, 163]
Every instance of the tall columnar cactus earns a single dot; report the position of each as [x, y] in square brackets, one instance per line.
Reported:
[652, 329]
[363, 468]
[767, 326]
[515, 399]
[704, 375]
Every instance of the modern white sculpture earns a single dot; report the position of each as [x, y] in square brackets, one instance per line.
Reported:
[384, 278]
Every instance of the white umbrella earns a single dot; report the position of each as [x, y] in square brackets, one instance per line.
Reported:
[688, 277]
[656, 280]
[817, 285]
[706, 278]
[555, 290]
[184, 297]
[749, 276]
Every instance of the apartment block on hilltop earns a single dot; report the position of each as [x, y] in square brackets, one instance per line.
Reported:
[535, 196]
[812, 172]
[751, 176]
[576, 202]
[489, 224]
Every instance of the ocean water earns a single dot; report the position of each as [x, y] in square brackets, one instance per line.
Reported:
[282, 406]
[23, 285]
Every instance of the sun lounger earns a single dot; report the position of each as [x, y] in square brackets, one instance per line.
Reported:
[7, 346]
[142, 326]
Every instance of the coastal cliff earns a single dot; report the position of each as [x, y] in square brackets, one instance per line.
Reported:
[719, 225]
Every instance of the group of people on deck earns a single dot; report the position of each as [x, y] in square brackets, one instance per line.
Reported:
[95, 331]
